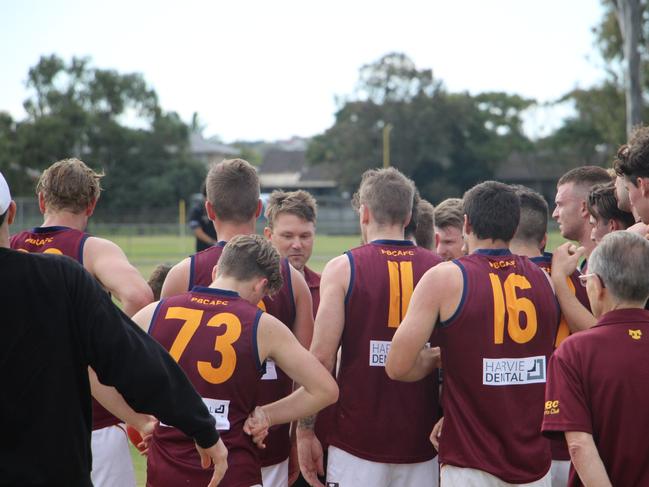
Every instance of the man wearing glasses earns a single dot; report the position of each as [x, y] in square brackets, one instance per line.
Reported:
[597, 380]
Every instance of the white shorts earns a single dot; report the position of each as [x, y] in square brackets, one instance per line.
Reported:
[347, 470]
[111, 458]
[452, 476]
[275, 475]
[560, 471]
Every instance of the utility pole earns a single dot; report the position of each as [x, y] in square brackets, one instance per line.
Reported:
[387, 128]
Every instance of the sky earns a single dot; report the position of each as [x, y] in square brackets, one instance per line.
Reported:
[273, 69]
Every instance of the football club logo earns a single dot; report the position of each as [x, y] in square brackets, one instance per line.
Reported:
[635, 334]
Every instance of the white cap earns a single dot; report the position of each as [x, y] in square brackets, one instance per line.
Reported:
[5, 195]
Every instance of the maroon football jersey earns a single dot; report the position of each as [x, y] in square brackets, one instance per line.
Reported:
[62, 241]
[212, 334]
[275, 383]
[376, 418]
[495, 348]
[597, 384]
[558, 445]
[52, 240]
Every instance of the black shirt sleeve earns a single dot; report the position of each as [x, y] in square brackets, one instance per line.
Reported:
[125, 357]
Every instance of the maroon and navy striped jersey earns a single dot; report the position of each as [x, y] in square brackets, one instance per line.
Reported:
[376, 418]
[275, 383]
[495, 350]
[212, 334]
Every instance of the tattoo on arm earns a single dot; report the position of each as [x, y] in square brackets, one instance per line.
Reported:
[307, 423]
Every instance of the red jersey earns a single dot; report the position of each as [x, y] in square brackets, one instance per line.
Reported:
[212, 334]
[495, 348]
[376, 418]
[558, 445]
[312, 279]
[276, 384]
[597, 384]
[70, 242]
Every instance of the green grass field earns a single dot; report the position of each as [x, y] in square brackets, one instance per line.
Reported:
[146, 252]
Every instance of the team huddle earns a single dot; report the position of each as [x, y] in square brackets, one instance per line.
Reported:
[448, 348]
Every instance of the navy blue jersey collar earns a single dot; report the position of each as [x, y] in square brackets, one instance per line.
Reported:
[214, 290]
[494, 252]
[403, 243]
[221, 243]
[53, 228]
[546, 257]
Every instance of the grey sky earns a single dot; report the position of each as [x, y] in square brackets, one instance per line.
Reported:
[271, 69]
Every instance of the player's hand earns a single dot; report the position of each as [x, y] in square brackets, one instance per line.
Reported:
[293, 463]
[310, 455]
[141, 432]
[432, 355]
[565, 260]
[218, 455]
[257, 426]
[436, 434]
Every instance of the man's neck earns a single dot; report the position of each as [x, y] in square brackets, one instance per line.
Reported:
[587, 243]
[226, 231]
[230, 284]
[393, 232]
[475, 244]
[78, 221]
[525, 249]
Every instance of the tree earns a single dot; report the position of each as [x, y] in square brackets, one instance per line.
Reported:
[112, 121]
[446, 142]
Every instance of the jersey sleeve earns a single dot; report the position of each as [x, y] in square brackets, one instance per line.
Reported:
[125, 357]
[566, 407]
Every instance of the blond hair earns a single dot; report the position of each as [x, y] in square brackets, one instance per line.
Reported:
[388, 194]
[69, 185]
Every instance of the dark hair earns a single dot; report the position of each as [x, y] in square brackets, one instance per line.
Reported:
[602, 204]
[493, 210]
[586, 176]
[533, 224]
[425, 230]
[248, 256]
[633, 157]
[411, 227]
[157, 279]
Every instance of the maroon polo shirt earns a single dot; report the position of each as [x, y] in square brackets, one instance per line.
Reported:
[598, 384]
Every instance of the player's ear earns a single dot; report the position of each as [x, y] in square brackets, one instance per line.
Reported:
[267, 233]
[215, 271]
[544, 242]
[41, 202]
[11, 212]
[260, 207]
[260, 286]
[466, 228]
[364, 212]
[209, 209]
[91, 207]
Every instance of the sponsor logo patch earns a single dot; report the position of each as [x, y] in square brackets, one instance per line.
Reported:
[513, 371]
[219, 410]
[379, 352]
[271, 371]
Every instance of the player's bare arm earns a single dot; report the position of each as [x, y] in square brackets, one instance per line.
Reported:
[586, 459]
[303, 324]
[328, 329]
[436, 296]
[143, 317]
[564, 262]
[177, 280]
[108, 263]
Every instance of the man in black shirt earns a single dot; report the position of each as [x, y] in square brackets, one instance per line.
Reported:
[56, 322]
[201, 225]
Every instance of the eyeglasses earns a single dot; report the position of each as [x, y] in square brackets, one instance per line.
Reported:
[583, 279]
